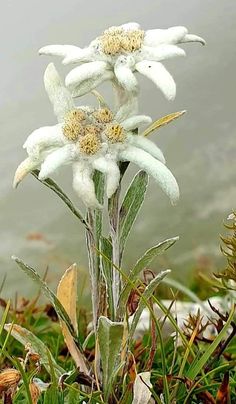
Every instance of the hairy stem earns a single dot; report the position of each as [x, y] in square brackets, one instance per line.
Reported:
[114, 233]
[93, 266]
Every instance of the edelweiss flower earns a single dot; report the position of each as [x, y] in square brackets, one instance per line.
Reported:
[91, 139]
[120, 52]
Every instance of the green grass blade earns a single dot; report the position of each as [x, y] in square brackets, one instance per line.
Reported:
[4, 316]
[25, 380]
[179, 286]
[141, 264]
[198, 364]
[147, 294]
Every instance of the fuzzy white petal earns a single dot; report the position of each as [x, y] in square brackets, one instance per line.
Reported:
[112, 172]
[59, 157]
[124, 74]
[44, 138]
[135, 121]
[60, 50]
[156, 72]
[173, 35]
[193, 38]
[58, 94]
[84, 186]
[146, 145]
[23, 169]
[130, 26]
[161, 52]
[79, 55]
[86, 77]
[155, 168]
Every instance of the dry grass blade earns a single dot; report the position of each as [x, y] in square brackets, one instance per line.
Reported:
[67, 295]
[162, 122]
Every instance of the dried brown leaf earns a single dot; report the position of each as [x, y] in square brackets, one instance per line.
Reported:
[67, 295]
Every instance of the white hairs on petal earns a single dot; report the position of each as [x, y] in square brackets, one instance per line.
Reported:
[146, 145]
[135, 121]
[156, 72]
[130, 26]
[161, 174]
[23, 169]
[86, 77]
[193, 38]
[125, 75]
[54, 160]
[58, 94]
[161, 52]
[173, 35]
[44, 138]
[84, 186]
[112, 172]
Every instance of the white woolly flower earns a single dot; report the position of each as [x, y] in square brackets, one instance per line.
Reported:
[120, 52]
[91, 139]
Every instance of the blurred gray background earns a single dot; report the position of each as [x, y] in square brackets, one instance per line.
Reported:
[199, 147]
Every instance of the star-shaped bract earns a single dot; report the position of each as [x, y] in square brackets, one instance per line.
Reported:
[120, 52]
[91, 139]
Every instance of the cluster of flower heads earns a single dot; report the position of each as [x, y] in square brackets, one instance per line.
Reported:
[91, 138]
[120, 52]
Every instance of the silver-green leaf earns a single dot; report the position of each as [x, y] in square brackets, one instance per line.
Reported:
[110, 339]
[131, 205]
[47, 291]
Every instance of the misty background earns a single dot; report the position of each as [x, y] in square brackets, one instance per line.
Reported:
[199, 147]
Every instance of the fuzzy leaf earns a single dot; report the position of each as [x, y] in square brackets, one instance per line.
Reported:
[67, 295]
[143, 263]
[24, 336]
[51, 296]
[131, 205]
[142, 393]
[161, 122]
[55, 188]
[147, 294]
[109, 338]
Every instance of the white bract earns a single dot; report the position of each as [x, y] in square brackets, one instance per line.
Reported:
[120, 52]
[91, 139]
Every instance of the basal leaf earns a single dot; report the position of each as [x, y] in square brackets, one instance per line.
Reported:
[110, 339]
[62, 314]
[24, 336]
[131, 205]
[161, 122]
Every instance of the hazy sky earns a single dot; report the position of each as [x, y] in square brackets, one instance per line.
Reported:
[200, 148]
